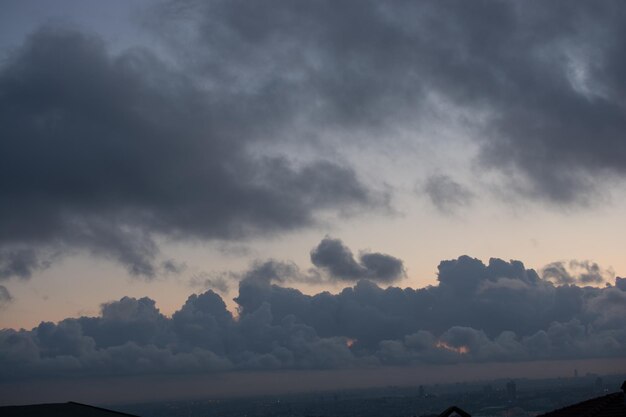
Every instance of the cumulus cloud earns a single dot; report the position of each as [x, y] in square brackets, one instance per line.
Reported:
[337, 260]
[102, 153]
[499, 311]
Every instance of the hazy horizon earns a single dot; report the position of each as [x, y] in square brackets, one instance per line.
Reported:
[246, 384]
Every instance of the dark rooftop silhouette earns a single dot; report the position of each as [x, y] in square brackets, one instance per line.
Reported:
[69, 409]
[454, 409]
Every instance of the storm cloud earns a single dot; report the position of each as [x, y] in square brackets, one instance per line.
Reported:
[102, 153]
[106, 152]
[538, 85]
[478, 312]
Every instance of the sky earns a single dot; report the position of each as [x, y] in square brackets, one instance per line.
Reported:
[192, 188]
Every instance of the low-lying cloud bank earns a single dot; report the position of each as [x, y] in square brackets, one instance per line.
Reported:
[477, 313]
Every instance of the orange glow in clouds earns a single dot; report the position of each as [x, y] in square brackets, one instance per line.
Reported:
[461, 349]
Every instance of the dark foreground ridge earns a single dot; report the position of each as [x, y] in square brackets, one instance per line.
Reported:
[69, 409]
[611, 405]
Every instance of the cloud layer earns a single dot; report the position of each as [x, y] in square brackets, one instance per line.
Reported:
[538, 84]
[477, 313]
[104, 152]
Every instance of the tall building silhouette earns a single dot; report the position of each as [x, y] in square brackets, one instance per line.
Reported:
[511, 390]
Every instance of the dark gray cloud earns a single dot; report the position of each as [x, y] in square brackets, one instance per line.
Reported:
[478, 312]
[101, 153]
[446, 194]
[540, 84]
[579, 272]
[337, 260]
[264, 273]
[22, 262]
[104, 152]
[273, 271]
[333, 262]
[5, 296]
[331, 254]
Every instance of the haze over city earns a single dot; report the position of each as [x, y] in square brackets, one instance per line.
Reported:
[287, 195]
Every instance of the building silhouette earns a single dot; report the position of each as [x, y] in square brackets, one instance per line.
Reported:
[511, 391]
